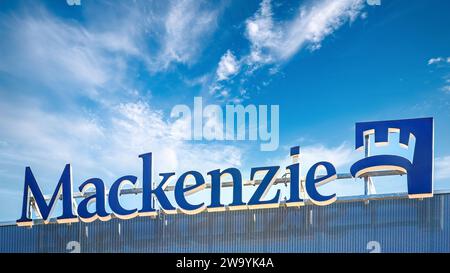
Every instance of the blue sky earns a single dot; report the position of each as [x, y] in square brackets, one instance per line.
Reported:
[93, 85]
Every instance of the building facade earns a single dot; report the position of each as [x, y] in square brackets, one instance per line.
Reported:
[386, 223]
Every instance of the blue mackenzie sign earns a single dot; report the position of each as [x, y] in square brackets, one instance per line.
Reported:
[419, 179]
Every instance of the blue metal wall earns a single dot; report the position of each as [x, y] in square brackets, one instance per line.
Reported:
[396, 225]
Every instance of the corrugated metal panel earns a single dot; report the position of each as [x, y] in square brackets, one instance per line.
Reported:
[390, 225]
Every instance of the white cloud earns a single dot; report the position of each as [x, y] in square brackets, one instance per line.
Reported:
[442, 167]
[137, 129]
[438, 60]
[39, 45]
[228, 66]
[278, 41]
[107, 148]
[435, 60]
[63, 57]
[340, 155]
[50, 140]
[442, 63]
[273, 42]
[262, 33]
[186, 26]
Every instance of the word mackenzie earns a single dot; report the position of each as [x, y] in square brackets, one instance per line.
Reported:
[419, 179]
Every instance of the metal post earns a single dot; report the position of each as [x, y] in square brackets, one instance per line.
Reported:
[366, 154]
[295, 157]
[29, 209]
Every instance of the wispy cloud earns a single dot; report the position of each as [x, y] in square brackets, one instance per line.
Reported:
[438, 60]
[107, 146]
[228, 66]
[278, 41]
[273, 42]
[38, 45]
[44, 50]
[59, 61]
[187, 25]
[443, 64]
[166, 33]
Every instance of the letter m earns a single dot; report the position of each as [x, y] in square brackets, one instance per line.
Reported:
[32, 196]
